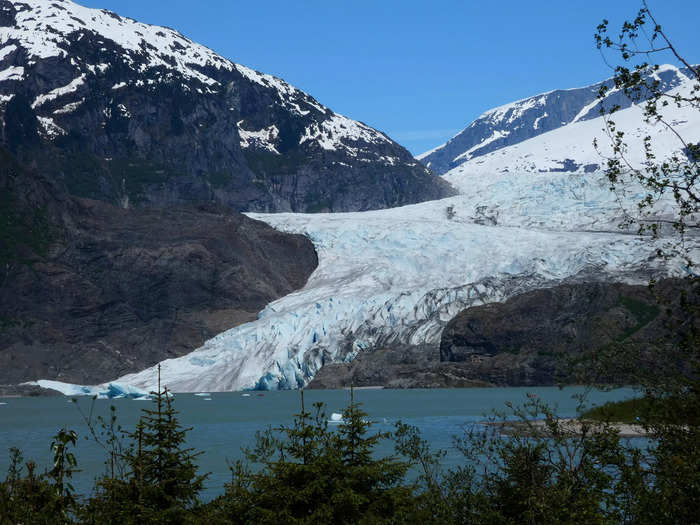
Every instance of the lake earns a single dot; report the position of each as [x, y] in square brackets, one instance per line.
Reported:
[228, 421]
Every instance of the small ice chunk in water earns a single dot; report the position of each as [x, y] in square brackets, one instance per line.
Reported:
[203, 394]
[336, 418]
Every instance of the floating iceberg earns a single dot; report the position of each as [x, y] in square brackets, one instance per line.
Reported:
[113, 390]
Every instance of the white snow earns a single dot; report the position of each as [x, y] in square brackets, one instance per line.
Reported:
[387, 160]
[514, 110]
[495, 136]
[12, 73]
[336, 131]
[536, 124]
[71, 87]
[51, 129]
[7, 50]
[587, 108]
[124, 111]
[68, 108]
[264, 138]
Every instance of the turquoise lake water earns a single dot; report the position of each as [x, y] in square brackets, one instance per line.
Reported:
[227, 422]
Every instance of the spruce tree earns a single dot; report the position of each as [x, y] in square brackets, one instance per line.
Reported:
[162, 484]
[313, 474]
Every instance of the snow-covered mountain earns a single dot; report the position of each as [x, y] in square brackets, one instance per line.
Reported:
[534, 211]
[570, 149]
[564, 111]
[139, 114]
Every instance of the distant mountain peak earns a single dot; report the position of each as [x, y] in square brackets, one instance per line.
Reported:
[583, 146]
[518, 121]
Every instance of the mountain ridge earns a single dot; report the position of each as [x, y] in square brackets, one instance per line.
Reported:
[137, 114]
[527, 118]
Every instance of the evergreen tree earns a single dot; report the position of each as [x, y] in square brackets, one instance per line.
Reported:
[311, 474]
[46, 498]
[161, 484]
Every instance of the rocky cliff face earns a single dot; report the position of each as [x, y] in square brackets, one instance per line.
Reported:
[90, 291]
[139, 115]
[519, 121]
[532, 338]
[397, 367]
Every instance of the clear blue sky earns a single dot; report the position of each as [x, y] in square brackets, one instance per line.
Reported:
[419, 71]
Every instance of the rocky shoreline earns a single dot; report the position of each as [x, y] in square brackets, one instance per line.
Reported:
[570, 426]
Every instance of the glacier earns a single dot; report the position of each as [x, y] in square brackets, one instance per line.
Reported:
[397, 276]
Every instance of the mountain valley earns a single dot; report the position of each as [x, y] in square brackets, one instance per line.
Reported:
[352, 262]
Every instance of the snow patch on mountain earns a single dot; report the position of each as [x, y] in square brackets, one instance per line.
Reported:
[341, 132]
[50, 128]
[510, 112]
[263, 139]
[12, 73]
[7, 50]
[71, 87]
[497, 135]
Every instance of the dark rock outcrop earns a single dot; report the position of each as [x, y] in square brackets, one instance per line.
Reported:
[110, 291]
[139, 115]
[402, 367]
[535, 338]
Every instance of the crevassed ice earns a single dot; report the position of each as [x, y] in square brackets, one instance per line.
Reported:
[398, 275]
